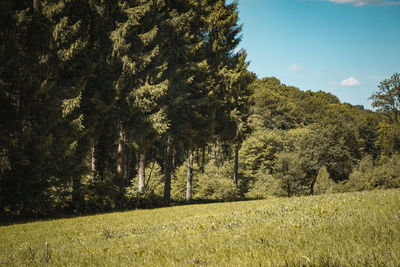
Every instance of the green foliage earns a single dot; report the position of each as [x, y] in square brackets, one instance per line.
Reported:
[324, 184]
[292, 179]
[334, 146]
[216, 183]
[387, 98]
[316, 131]
[272, 108]
[258, 151]
[179, 179]
[389, 137]
[360, 176]
[4, 162]
[387, 101]
[85, 86]
[41, 128]
[367, 176]
[264, 186]
[99, 195]
[211, 183]
[387, 173]
[277, 106]
[153, 192]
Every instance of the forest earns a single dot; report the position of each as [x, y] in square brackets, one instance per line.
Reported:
[111, 105]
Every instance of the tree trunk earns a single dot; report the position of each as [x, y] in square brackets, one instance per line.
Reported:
[121, 168]
[189, 176]
[209, 153]
[93, 162]
[197, 157]
[174, 160]
[142, 173]
[183, 153]
[168, 169]
[97, 171]
[203, 160]
[77, 196]
[130, 165]
[312, 185]
[215, 154]
[236, 165]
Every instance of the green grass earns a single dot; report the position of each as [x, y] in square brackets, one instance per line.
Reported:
[351, 229]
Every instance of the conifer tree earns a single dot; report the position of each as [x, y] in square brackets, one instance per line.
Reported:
[177, 38]
[231, 78]
[141, 85]
[44, 40]
[189, 109]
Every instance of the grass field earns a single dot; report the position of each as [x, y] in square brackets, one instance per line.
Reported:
[351, 229]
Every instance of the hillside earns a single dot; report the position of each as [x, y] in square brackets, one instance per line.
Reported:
[334, 229]
[140, 104]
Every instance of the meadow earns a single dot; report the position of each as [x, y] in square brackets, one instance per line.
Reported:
[348, 229]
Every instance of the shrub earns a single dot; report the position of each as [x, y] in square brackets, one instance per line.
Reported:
[258, 152]
[264, 186]
[97, 194]
[324, 184]
[292, 179]
[178, 183]
[387, 173]
[367, 176]
[153, 193]
[360, 176]
[216, 183]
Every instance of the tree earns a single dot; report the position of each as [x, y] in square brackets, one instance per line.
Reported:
[238, 106]
[231, 81]
[291, 177]
[387, 101]
[259, 151]
[181, 41]
[332, 145]
[42, 94]
[141, 85]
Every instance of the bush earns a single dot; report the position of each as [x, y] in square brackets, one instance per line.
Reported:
[178, 183]
[367, 176]
[324, 184]
[153, 194]
[360, 176]
[293, 180]
[258, 152]
[264, 186]
[216, 183]
[387, 174]
[98, 194]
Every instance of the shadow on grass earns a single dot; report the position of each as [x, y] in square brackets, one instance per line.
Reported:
[7, 219]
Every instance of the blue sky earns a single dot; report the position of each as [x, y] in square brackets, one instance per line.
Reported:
[345, 47]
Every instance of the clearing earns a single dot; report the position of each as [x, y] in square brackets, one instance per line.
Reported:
[340, 229]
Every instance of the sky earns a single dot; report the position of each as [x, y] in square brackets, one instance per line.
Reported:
[345, 47]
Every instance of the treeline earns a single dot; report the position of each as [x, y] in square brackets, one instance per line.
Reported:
[92, 89]
[120, 104]
[309, 143]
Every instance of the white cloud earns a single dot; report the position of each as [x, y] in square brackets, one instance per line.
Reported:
[366, 2]
[351, 81]
[295, 67]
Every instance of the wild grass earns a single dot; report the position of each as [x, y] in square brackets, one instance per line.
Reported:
[350, 229]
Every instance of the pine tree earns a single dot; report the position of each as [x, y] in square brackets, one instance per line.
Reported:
[189, 109]
[231, 89]
[141, 85]
[43, 97]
